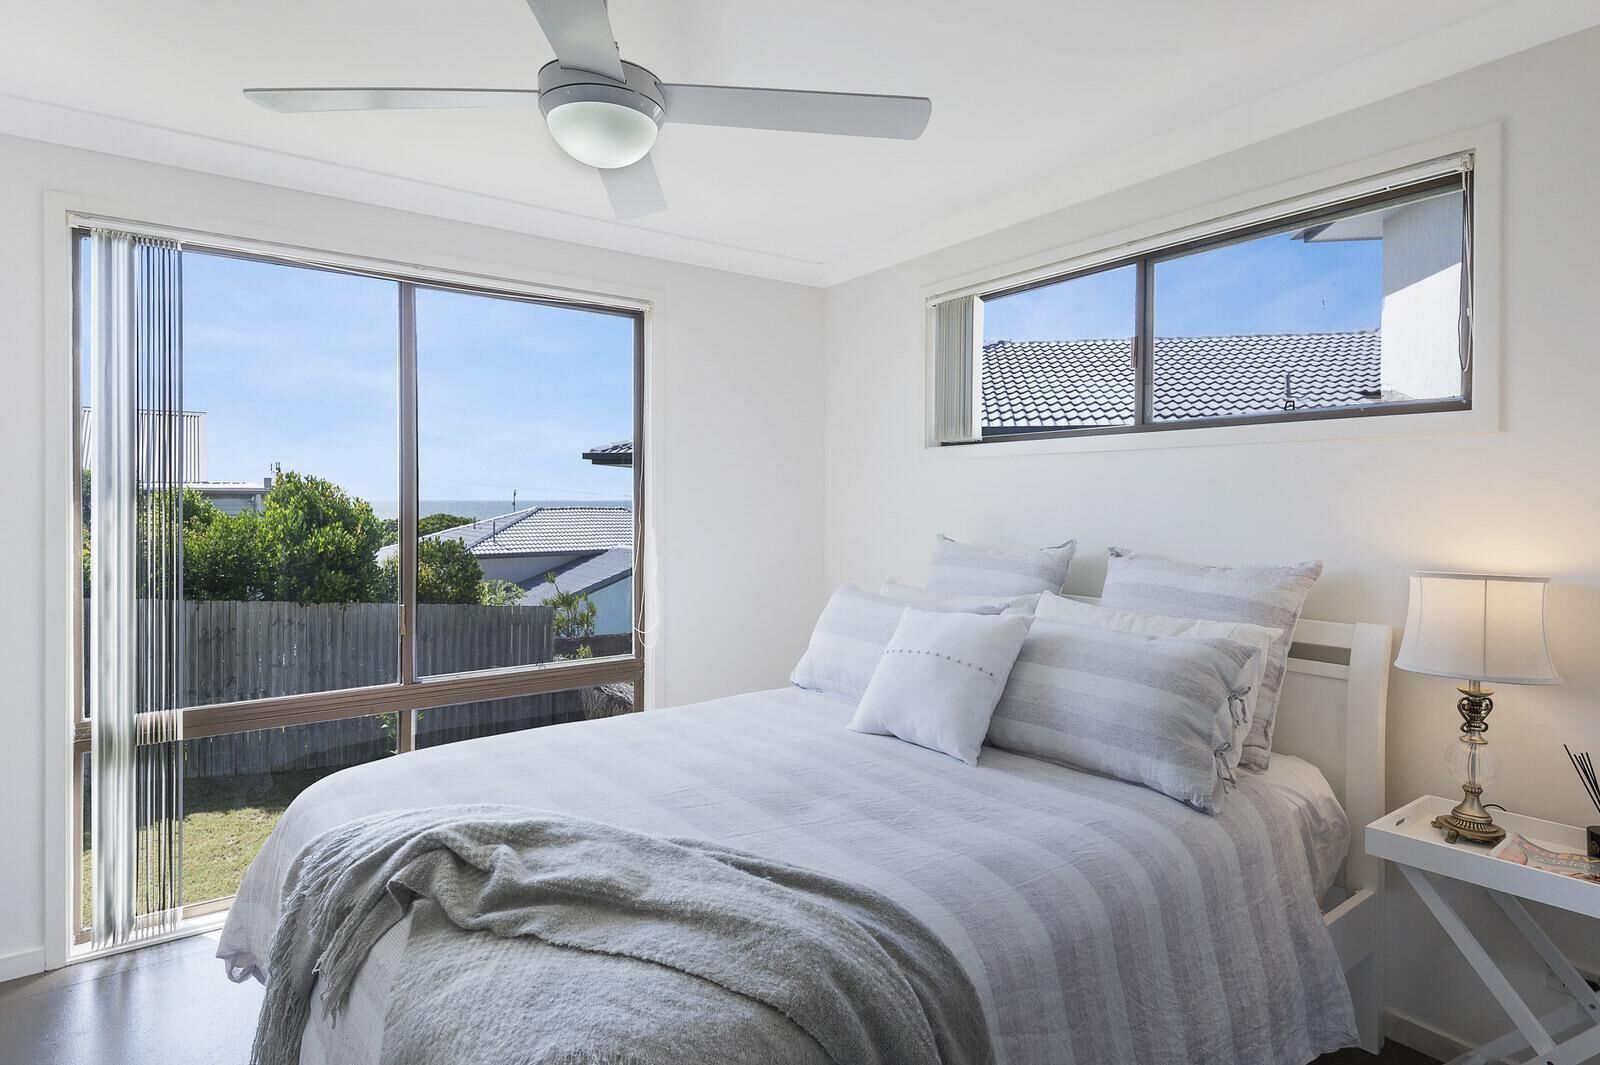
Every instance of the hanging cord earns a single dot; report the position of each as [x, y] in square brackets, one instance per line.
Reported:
[1465, 324]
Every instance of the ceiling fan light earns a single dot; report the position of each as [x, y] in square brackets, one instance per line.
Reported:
[602, 134]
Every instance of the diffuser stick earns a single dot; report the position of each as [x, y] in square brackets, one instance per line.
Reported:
[1584, 765]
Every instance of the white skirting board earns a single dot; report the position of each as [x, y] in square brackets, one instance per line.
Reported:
[22, 963]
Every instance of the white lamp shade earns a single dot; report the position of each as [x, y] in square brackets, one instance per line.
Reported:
[1476, 626]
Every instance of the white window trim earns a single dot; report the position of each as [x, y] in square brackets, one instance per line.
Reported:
[1483, 142]
[65, 212]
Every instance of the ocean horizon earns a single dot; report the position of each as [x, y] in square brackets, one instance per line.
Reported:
[479, 509]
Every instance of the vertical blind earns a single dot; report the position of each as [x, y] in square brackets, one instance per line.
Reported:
[957, 369]
[135, 354]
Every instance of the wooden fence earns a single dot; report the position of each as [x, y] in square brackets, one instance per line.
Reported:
[604, 645]
[237, 651]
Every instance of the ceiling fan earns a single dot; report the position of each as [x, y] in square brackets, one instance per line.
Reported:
[605, 112]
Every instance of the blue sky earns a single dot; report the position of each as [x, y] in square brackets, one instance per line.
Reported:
[1267, 285]
[298, 367]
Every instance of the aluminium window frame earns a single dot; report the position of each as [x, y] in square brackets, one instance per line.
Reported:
[1144, 263]
[408, 693]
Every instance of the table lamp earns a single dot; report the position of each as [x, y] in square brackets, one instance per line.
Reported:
[1476, 628]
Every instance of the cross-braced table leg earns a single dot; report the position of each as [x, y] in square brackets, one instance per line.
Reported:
[1557, 1022]
[1539, 1033]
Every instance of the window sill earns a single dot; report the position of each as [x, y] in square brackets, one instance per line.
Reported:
[207, 921]
[1479, 419]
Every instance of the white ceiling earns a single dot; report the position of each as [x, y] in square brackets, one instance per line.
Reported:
[1035, 103]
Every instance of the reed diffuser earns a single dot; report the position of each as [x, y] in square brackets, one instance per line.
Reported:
[1591, 785]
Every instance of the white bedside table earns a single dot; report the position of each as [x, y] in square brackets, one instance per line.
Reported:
[1407, 838]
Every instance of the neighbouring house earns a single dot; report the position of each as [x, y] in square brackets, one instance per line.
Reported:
[587, 549]
[619, 453]
[231, 497]
[1040, 385]
[1422, 278]
[1046, 384]
[606, 578]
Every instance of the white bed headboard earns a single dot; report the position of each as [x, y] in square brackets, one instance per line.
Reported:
[1334, 713]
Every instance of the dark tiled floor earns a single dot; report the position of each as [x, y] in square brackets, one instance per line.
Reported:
[171, 1005]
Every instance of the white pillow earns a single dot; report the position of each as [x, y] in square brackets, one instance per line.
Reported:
[922, 598]
[967, 569]
[939, 678]
[849, 637]
[1229, 723]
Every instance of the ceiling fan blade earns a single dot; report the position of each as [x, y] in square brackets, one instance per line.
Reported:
[634, 191]
[799, 111]
[296, 100]
[580, 32]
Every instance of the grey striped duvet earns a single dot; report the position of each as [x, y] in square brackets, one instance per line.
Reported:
[1101, 922]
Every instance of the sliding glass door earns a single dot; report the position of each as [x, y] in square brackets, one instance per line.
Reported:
[333, 516]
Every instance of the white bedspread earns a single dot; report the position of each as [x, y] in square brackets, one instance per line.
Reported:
[1100, 921]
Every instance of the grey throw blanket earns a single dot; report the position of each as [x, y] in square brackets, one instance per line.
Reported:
[714, 954]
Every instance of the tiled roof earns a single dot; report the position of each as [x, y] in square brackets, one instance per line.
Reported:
[586, 575]
[1050, 383]
[546, 530]
[617, 454]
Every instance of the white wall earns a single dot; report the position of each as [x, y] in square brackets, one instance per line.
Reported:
[1525, 499]
[738, 392]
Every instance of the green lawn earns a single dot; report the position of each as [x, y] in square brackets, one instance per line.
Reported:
[224, 826]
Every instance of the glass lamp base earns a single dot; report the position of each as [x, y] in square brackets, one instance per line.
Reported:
[1468, 761]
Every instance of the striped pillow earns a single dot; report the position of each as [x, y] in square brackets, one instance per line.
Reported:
[852, 632]
[1232, 717]
[1135, 707]
[922, 599]
[965, 569]
[1270, 596]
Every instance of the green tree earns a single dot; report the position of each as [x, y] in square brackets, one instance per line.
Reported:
[201, 520]
[499, 593]
[222, 556]
[314, 543]
[83, 500]
[429, 524]
[317, 543]
[446, 573]
[426, 525]
[572, 614]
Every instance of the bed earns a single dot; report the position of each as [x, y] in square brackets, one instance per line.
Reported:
[1099, 921]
